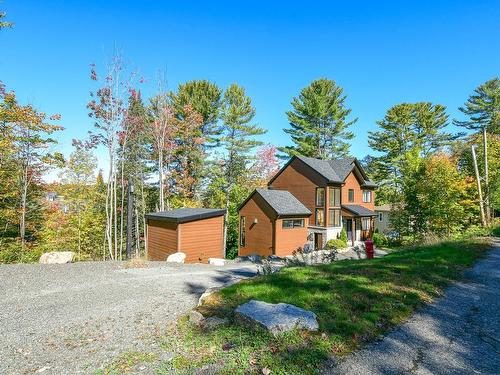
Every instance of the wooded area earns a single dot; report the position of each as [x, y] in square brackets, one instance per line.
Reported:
[198, 146]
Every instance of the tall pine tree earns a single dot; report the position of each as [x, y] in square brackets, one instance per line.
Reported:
[238, 140]
[319, 122]
[204, 97]
[407, 131]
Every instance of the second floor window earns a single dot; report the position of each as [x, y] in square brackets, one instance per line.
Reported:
[367, 196]
[351, 195]
[320, 197]
[334, 196]
[320, 217]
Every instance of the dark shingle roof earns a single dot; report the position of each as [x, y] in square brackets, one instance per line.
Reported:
[335, 170]
[358, 210]
[183, 215]
[283, 202]
[323, 167]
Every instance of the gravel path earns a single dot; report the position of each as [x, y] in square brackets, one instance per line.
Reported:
[459, 334]
[76, 318]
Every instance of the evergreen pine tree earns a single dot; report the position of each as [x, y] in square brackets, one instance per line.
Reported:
[407, 129]
[204, 97]
[319, 125]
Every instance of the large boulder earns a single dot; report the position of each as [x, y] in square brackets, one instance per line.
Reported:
[276, 318]
[176, 258]
[57, 257]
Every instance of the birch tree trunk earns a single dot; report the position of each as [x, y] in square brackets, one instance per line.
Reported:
[486, 178]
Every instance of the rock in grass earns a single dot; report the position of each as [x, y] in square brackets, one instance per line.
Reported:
[196, 317]
[276, 318]
[57, 257]
[176, 258]
[214, 322]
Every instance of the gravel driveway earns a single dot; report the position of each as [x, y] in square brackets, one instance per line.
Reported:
[459, 334]
[75, 318]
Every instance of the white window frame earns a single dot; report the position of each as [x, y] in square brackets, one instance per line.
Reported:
[296, 223]
[367, 196]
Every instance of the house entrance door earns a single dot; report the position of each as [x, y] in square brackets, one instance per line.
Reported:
[348, 229]
[318, 241]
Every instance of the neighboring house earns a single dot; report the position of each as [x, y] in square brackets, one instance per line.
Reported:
[55, 200]
[383, 219]
[336, 193]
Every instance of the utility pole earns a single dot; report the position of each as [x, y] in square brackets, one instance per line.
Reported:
[130, 218]
[483, 220]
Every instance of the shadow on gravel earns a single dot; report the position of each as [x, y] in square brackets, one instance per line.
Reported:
[221, 278]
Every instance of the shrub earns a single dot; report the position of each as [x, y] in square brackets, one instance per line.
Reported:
[336, 244]
[380, 240]
[343, 236]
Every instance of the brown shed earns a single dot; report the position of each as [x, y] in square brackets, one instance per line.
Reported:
[197, 232]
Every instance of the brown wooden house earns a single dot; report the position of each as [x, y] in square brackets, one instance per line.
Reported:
[272, 222]
[338, 193]
[197, 232]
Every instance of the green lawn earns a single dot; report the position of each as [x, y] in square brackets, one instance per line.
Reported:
[355, 302]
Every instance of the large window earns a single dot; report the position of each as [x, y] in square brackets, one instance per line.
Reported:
[242, 231]
[334, 196]
[320, 197]
[351, 195]
[293, 223]
[334, 219]
[320, 217]
[365, 223]
[367, 196]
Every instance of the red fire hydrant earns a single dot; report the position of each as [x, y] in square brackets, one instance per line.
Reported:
[369, 249]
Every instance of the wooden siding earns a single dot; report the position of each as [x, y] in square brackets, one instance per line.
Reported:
[258, 237]
[202, 239]
[162, 239]
[351, 182]
[290, 239]
[302, 182]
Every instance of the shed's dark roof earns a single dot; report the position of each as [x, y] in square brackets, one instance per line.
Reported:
[358, 210]
[283, 202]
[336, 170]
[183, 215]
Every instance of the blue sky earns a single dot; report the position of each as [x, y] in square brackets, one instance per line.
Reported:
[382, 53]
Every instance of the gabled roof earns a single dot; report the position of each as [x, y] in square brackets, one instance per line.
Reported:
[183, 215]
[282, 202]
[323, 167]
[384, 207]
[358, 210]
[334, 171]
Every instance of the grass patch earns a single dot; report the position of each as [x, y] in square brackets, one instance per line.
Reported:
[136, 262]
[355, 301]
[126, 362]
